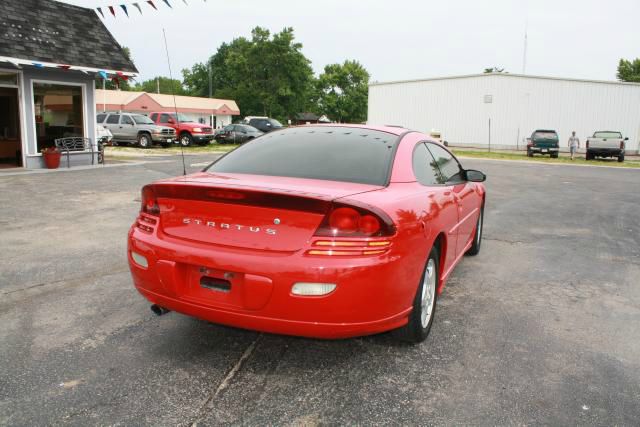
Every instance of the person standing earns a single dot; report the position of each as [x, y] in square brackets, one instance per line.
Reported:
[574, 144]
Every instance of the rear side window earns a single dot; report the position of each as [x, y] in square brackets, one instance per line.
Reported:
[154, 116]
[424, 166]
[100, 118]
[113, 119]
[448, 165]
[327, 153]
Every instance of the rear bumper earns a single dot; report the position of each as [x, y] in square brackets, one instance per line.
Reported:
[543, 150]
[610, 152]
[374, 293]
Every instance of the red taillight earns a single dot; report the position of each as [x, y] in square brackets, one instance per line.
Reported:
[355, 221]
[622, 145]
[149, 201]
[346, 220]
[587, 143]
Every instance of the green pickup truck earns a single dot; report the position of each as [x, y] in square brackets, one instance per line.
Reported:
[543, 142]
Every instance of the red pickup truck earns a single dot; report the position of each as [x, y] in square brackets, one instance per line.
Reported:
[188, 132]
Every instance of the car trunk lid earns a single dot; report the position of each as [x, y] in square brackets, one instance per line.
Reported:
[244, 211]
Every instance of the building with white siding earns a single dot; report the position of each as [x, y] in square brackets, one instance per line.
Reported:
[461, 107]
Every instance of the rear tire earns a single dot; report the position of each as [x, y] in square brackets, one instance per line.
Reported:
[529, 153]
[424, 303]
[477, 236]
[144, 140]
[621, 158]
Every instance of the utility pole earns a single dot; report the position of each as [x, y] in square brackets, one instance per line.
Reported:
[210, 81]
[158, 85]
[526, 30]
[489, 134]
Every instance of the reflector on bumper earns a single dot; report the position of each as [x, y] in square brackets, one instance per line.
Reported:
[312, 289]
[139, 259]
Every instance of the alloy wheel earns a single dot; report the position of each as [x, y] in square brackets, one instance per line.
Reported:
[428, 294]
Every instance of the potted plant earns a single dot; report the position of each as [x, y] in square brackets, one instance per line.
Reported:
[51, 156]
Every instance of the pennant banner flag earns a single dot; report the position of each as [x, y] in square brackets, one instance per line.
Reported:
[124, 7]
[103, 74]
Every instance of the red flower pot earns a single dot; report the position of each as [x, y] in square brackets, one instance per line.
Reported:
[52, 159]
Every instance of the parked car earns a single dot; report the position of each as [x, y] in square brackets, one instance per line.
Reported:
[264, 124]
[136, 129]
[324, 231]
[606, 144]
[543, 142]
[237, 134]
[103, 135]
[437, 135]
[188, 131]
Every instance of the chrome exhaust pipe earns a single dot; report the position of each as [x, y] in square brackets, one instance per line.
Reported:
[159, 311]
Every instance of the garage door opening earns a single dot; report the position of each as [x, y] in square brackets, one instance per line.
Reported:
[10, 139]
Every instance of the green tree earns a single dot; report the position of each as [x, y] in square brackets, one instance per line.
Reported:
[267, 74]
[629, 71]
[121, 84]
[167, 86]
[493, 70]
[342, 91]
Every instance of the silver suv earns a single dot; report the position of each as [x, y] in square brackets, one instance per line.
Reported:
[136, 129]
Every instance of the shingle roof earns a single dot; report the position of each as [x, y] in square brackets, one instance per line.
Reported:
[50, 31]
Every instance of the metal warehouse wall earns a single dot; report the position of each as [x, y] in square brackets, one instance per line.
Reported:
[455, 106]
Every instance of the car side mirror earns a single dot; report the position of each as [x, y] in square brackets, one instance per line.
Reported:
[475, 176]
[626, 138]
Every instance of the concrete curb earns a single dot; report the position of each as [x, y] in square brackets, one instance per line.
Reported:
[77, 168]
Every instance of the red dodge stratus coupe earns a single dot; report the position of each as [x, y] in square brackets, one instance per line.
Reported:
[326, 231]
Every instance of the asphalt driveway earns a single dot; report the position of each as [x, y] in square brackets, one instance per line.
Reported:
[540, 328]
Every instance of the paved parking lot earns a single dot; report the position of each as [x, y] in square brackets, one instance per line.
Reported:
[540, 328]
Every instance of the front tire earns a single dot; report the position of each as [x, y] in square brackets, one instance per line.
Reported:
[186, 140]
[477, 237]
[424, 303]
[144, 140]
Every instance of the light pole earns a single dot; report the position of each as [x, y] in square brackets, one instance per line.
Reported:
[488, 99]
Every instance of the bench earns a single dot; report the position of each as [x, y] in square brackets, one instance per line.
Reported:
[80, 144]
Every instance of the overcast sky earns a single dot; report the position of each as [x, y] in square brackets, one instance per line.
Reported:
[395, 39]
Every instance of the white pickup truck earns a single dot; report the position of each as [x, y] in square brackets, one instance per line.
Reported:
[606, 144]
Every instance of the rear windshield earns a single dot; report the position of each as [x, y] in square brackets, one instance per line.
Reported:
[545, 135]
[607, 135]
[328, 153]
